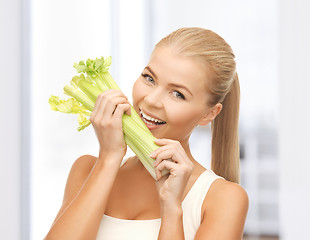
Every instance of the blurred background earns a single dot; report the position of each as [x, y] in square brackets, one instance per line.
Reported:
[41, 39]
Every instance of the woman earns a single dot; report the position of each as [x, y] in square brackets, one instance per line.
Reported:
[190, 80]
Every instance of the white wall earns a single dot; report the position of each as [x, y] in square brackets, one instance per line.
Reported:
[294, 87]
[10, 118]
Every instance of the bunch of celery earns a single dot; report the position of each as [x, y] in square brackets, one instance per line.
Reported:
[84, 90]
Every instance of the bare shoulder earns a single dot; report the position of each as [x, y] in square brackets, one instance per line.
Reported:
[225, 207]
[225, 198]
[82, 165]
[79, 171]
[78, 174]
[222, 191]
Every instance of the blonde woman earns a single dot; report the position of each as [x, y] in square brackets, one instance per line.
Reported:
[190, 80]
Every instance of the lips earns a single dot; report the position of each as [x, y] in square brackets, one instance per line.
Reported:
[151, 119]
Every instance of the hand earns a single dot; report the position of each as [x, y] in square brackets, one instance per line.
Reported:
[106, 119]
[171, 156]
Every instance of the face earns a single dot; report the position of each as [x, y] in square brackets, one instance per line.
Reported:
[171, 96]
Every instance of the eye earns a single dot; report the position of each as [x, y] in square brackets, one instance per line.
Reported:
[148, 78]
[177, 94]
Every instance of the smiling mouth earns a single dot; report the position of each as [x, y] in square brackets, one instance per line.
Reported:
[150, 120]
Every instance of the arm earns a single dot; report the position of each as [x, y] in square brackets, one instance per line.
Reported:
[171, 222]
[84, 200]
[224, 209]
[225, 213]
[91, 180]
[171, 188]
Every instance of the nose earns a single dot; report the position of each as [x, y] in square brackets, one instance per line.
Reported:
[154, 98]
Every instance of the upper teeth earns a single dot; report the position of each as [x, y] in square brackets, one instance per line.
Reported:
[150, 118]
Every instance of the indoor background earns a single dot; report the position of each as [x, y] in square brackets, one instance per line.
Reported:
[41, 39]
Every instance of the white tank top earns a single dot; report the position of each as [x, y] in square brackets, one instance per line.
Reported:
[121, 229]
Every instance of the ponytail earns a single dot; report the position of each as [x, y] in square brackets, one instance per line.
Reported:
[223, 87]
[225, 136]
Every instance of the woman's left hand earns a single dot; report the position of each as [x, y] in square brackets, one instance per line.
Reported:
[173, 157]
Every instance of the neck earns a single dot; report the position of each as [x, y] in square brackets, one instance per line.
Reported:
[185, 145]
[198, 168]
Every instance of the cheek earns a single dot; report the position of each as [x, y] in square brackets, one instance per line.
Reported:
[185, 118]
[137, 92]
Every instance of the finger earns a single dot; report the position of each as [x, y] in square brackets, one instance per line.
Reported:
[107, 108]
[113, 97]
[164, 165]
[173, 144]
[157, 151]
[158, 174]
[106, 94]
[98, 103]
[95, 110]
[116, 93]
[164, 144]
[167, 155]
[164, 141]
[128, 111]
[120, 110]
[112, 103]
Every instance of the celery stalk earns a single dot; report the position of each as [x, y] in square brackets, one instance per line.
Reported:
[138, 119]
[147, 164]
[109, 81]
[111, 84]
[91, 91]
[80, 96]
[85, 91]
[100, 84]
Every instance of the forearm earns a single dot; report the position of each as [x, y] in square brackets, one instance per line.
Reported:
[81, 217]
[171, 223]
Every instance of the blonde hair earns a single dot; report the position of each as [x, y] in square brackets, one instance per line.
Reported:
[223, 87]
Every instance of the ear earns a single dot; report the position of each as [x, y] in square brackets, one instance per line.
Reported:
[211, 114]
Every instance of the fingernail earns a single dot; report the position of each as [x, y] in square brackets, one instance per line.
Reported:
[157, 176]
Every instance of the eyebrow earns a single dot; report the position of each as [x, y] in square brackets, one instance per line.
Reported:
[180, 86]
[170, 84]
[151, 71]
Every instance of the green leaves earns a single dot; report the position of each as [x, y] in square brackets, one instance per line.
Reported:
[71, 106]
[95, 78]
[83, 121]
[84, 90]
[66, 106]
[93, 67]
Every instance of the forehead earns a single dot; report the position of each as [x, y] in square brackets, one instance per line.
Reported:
[172, 67]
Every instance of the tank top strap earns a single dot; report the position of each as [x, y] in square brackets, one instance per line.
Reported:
[193, 201]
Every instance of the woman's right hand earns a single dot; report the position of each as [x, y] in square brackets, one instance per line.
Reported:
[106, 119]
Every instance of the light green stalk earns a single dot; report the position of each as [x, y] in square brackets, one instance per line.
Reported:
[91, 91]
[80, 96]
[86, 90]
[111, 84]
